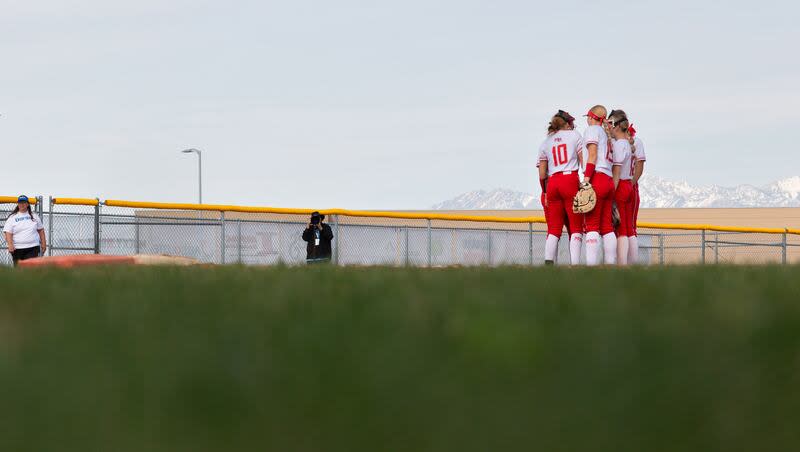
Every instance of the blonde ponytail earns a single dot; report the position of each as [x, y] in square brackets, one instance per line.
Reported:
[607, 130]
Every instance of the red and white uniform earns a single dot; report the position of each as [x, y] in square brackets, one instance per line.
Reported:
[638, 156]
[542, 156]
[624, 193]
[599, 219]
[561, 150]
[596, 135]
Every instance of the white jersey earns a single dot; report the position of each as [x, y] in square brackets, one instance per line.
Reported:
[596, 135]
[561, 150]
[623, 158]
[638, 154]
[24, 229]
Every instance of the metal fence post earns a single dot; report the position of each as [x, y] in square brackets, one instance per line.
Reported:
[406, 246]
[703, 246]
[661, 248]
[336, 240]
[39, 206]
[39, 210]
[783, 248]
[239, 241]
[50, 227]
[488, 248]
[716, 247]
[136, 234]
[222, 227]
[430, 260]
[530, 244]
[97, 227]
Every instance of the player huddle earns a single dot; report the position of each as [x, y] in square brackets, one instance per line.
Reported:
[611, 158]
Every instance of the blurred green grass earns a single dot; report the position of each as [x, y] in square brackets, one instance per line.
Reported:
[347, 359]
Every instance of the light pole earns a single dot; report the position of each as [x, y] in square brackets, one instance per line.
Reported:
[199, 171]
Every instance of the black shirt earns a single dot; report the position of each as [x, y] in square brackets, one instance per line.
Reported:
[323, 250]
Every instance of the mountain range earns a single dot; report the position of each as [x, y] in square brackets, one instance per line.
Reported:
[655, 192]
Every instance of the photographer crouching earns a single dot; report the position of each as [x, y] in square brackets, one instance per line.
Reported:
[318, 235]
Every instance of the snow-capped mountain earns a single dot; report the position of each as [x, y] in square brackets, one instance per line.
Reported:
[492, 199]
[655, 192]
[658, 192]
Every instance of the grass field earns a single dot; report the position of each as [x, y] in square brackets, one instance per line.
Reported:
[327, 359]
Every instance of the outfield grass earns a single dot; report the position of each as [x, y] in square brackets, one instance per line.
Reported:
[327, 359]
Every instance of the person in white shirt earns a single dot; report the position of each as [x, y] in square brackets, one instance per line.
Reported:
[24, 232]
[639, 157]
[623, 174]
[598, 172]
[559, 162]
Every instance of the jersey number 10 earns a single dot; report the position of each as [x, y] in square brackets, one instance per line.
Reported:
[560, 154]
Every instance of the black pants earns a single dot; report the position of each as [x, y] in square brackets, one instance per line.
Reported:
[25, 254]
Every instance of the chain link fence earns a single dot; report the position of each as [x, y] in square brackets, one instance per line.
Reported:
[256, 238]
[6, 208]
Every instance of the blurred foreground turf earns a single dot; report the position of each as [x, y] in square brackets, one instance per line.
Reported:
[327, 359]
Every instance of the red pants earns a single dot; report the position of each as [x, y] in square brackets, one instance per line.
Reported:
[624, 198]
[599, 219]
[547, 215]
[636, 201]
[561, 190]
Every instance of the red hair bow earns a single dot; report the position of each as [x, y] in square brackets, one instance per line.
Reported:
[632, 131]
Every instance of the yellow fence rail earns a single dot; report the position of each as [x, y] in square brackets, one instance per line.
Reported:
[13, 199]
[422, 216]
[76, 201]
[342, 212]
[379, 214]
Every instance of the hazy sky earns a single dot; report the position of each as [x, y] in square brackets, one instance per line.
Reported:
[365, 104]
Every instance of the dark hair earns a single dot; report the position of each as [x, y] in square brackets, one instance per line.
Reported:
[559, 121]
[556, 124]
[16, 210]
[617, 114]
[618, 118]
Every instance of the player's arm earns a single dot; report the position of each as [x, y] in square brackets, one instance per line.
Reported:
[543, 178]
[543, 175]
[591, 161]
[638, 170]
[617, 159]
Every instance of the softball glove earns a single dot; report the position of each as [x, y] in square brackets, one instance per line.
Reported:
[585, 199]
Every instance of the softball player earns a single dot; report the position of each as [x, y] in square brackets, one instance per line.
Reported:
[559, 162]
[622, 174]
[598, 172]
[543, 183]
[639, 158]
